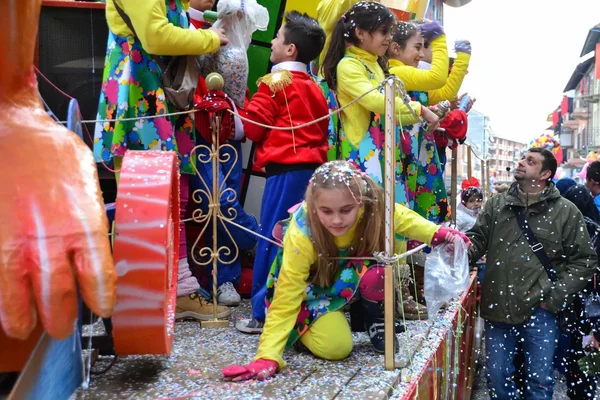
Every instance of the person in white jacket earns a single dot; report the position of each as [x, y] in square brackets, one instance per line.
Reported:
[471, 199]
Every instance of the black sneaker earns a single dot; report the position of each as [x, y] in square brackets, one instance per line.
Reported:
[357, 320]
[374, 325]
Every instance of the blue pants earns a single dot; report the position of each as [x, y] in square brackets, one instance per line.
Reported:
[538, 337]
[230, 207]
[282, 191]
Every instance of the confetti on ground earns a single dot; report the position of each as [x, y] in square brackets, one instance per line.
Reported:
[193, 370]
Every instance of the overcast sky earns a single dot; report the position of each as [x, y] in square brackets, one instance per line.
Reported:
[524, 52]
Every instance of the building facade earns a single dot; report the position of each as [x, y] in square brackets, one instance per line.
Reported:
[577, 120]
[504, 155]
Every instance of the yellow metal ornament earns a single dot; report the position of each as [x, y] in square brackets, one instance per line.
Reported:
[277, 81]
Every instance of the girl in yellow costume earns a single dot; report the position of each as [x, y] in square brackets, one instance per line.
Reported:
[352, 67]
[426, 191]
[342, 216]
[425, 181]
[328, 14]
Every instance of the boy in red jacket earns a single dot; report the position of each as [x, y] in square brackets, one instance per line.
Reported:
[287, 97]
[196, 13]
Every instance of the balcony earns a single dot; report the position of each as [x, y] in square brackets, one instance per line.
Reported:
[581, 113]
[593, 139]
[591, 93]
[571, 124]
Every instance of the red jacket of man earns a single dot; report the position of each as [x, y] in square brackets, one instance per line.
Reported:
[285, 99]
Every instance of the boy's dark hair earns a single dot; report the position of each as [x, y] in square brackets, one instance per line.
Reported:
[366, 15]
[306, 34]
[593, 172]
[549, 163]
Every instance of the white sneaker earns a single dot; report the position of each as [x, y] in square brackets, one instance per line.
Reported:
[252, 326]
[227, 295]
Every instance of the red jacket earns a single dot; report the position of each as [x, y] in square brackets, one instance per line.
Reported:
[306, 103]
[201, 89]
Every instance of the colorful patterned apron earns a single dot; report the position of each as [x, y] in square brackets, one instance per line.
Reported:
[334, 128]
[131, 88]
[319, 300]
[426, 191]
[369, 155]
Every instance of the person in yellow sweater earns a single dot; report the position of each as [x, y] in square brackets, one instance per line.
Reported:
[426, 192]
[311, 281]
[328, 14]
[353, 68]
[454, 82]
[424, 166]
[131, 88]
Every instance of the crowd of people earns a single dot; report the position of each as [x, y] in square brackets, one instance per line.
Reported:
[323, 197]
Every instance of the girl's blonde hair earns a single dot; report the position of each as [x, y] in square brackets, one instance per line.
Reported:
[370, 235]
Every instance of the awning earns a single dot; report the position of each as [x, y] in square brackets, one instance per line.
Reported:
[593, 37]
[578, 74]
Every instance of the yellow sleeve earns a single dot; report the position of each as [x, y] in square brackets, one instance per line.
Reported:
[353, 81]
[411, 225]
[421, 79]
[328, 14]
[157, 35]
[455, 80]
[298, 256]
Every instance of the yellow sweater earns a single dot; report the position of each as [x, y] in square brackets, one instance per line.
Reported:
[157, 35]
[298, 256]
[328, 14]
[421, 79]
[352, 82]
[416, 79]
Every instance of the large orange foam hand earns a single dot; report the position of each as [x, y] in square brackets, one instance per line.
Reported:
[53, 228]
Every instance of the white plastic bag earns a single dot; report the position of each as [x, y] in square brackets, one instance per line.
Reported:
[239, 19]
[446, 275]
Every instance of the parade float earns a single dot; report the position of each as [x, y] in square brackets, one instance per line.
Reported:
[128, 269]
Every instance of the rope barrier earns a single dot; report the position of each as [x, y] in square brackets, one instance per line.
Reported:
[474, 153]
[331, 113]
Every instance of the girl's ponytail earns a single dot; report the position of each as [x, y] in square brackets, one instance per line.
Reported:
[366, 15]
[335, 52]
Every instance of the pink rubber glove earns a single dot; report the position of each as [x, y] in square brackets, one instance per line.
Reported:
[260, 369]
[448, 235]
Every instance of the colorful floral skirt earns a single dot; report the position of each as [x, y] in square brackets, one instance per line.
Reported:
[368, 156]
[131, 88]
[426, 191]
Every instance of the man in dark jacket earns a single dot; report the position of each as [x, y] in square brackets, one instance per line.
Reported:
[519, 301]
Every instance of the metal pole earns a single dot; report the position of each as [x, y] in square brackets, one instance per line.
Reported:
[215, 204]
[469, 162]
[389, 183]
[215, 209]
[483, 178]
[487, 177]
[454, 185]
